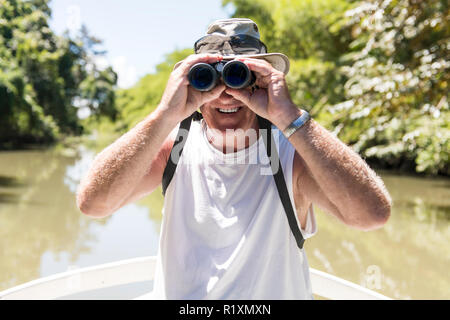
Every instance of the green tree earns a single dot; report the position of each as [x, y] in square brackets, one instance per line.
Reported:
[373, 72]
[395, 108]
[43, 76]
[376, 72]
[137, 102]
[305, 31]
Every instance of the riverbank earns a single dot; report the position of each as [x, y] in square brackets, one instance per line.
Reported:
[98, 140]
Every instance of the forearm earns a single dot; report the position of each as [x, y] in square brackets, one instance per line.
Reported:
[344, 177]
[116, 170]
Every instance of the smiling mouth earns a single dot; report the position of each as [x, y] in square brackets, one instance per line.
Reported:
[229, 110]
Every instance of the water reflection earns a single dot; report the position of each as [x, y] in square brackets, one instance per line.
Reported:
[42, 231]
[411, 253]
[34, 214]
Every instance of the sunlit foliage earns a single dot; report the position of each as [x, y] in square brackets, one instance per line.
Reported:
[376, 73]
[396, 95]
[45, 78]
[136, 103]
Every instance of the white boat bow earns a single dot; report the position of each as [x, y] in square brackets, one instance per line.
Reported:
[138, 270]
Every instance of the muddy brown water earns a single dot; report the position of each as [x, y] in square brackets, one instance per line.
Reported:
[43, 233]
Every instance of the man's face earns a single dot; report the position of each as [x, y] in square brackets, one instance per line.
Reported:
[226, 112]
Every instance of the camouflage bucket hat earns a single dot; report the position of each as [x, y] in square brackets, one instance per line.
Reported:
[238, 38]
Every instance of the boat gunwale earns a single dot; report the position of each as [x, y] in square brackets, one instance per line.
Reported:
[112, 274]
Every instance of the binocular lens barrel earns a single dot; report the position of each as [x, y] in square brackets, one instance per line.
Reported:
[235, 74]
[202, 76]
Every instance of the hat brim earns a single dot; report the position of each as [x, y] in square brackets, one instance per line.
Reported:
[278, 60]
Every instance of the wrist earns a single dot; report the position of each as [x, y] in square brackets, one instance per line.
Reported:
[283, 119]
[166, 115]
[297, 124]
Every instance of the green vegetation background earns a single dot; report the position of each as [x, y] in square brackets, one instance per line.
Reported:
[376, 73]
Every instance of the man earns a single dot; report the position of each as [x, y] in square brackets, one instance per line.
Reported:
[226, 233]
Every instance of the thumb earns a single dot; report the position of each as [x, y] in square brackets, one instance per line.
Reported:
[213, 94]
[241, 95]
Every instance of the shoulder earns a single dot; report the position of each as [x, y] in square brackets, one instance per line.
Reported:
[166, 148]
[192, 135]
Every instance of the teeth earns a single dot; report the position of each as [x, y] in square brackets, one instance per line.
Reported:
[229, 110]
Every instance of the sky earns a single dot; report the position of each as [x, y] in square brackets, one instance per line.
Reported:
[138, 33]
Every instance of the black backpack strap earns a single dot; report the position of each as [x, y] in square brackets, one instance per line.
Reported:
[280, 181]
[181, 138]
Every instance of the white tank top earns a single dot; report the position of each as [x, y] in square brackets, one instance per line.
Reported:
[224, 233]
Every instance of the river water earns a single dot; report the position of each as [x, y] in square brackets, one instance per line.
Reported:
[43, 233]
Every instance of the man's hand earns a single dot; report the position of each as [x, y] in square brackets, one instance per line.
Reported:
[328, 173]
[272, 100]
[180, 100]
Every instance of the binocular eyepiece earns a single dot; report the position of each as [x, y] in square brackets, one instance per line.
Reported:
[235, 74]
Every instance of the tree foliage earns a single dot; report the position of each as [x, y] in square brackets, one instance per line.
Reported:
[397, 87]
[374, 72]
[137, 102]
[45, 78]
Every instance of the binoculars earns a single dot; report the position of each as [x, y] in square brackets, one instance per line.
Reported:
[235, 74]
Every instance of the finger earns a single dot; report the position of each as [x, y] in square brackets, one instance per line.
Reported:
[260, 66]
[203, 57]
[263, 70]
[242, 95]
[256, 60]
[181, 68]
[197, 58]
